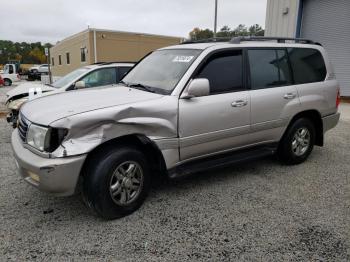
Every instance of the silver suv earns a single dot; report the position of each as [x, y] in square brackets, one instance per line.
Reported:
[180, 110]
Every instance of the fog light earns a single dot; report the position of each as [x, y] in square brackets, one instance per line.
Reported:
[33, 176]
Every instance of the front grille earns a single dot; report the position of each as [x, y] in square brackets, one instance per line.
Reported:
[23, 124]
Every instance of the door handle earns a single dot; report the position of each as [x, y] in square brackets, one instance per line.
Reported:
[239, 103]
[289, 96]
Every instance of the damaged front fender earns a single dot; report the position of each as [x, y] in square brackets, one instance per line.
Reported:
[155, 119]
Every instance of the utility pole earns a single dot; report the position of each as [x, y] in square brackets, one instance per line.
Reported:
[216, 17]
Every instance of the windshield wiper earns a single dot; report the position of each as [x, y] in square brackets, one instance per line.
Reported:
[142, 87]
[123, 83]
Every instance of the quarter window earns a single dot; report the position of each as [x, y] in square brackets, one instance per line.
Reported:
[269, 68]
[224, 72]
[308, 65]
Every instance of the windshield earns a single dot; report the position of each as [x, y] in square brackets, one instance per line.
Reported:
[161, 70]
[67, 79]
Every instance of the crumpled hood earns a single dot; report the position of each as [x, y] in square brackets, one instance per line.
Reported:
[24, 89]
[47, 109]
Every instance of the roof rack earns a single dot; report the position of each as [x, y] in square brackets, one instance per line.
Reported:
[239, 39]
[208, 40]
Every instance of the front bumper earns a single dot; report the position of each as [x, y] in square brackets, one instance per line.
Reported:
[330, 121]
[58, 176]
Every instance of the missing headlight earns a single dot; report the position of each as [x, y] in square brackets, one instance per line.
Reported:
[56, 136]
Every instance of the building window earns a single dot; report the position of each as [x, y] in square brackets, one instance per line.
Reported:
[59, 60]
[52, 61]
[68, 58]
[83, 54]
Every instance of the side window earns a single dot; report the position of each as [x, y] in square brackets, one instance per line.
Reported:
[224, 72]
[308, 65]
[269, 68]
[101, 77]
[122, 71]
[10, 69]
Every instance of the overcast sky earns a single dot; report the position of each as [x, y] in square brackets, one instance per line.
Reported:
[53, 20]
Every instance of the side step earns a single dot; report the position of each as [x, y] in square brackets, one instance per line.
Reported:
[221, 160]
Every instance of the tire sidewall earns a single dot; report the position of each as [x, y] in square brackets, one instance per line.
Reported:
[285, 150]
[97, 182]
[7, 82]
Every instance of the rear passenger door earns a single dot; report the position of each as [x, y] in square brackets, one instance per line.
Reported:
[221, 120]
[274, 98]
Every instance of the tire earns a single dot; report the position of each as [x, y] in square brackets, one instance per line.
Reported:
[297, 142]
[107, 175]
[7, 82]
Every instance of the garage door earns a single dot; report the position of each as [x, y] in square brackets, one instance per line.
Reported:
[328, 22]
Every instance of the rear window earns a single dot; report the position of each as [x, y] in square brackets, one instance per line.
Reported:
[308, 65]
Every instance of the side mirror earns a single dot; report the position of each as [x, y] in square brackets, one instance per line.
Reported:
[79, 85]
[197, 88]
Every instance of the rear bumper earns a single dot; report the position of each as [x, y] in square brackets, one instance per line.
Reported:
[330, 121]
[58, 176]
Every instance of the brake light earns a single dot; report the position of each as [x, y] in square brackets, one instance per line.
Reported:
[338, 99]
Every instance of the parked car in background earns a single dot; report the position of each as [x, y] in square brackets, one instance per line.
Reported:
[10, 74]
[35, 72]
[181, 110]
[85, 77]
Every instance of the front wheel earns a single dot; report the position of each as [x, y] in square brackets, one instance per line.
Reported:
[116, 182]
[297, 143]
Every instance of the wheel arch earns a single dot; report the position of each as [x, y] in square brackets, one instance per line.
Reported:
[140, 141]
[315, 117]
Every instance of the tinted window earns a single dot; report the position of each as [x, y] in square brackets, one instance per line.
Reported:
[123, 71]
[224, 72]
[102, 77]
[269, 68]
[308, 65]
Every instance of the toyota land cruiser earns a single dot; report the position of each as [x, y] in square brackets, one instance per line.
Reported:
[180, 110]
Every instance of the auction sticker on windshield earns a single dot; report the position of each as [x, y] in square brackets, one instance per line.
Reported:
[183, 59]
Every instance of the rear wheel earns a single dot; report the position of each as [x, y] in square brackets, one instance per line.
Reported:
[7, 82]
[117, 182]
[298, 142]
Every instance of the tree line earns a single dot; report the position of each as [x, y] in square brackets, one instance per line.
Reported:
[226, 31]
[25, 53]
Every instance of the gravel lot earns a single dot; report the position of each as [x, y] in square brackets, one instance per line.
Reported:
[260, 211]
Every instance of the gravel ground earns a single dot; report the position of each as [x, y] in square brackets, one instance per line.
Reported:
[260, 211]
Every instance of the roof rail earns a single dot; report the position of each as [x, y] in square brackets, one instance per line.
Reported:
[239, 39]
[207, 40]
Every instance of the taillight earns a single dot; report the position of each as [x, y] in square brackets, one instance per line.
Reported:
[338, 99]
[18, 76]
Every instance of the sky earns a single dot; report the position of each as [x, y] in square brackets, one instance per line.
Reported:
[53, 20]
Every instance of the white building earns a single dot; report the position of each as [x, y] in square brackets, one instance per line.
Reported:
[324, 21]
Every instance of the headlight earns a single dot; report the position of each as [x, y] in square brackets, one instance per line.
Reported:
[37, 137]
[16, 104]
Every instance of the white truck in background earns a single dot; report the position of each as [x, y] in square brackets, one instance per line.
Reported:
[10, 74]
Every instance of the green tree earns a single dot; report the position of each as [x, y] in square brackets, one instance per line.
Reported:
[199, 34]
[256, 30]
